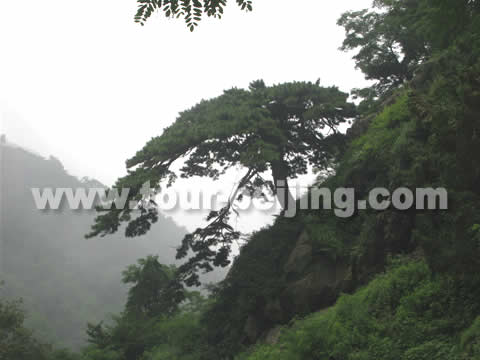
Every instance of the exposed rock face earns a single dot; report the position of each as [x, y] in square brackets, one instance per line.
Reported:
[273, 335]
[311, 275]
[317, 288]
[251, 329]
[300, 257]
[274, 312]
[313, 280]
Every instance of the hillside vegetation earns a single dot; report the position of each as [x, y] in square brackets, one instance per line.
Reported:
[399, 285]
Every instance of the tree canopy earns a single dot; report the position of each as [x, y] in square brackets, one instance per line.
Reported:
[16, 341]
[280, 129]
[388, 48]
[154, 290]
[395, 36]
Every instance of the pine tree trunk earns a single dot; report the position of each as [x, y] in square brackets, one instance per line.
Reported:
[282, 190]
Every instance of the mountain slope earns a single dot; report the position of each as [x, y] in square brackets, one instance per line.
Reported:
[64, 279]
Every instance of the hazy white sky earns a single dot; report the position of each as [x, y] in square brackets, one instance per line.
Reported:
[80, 80]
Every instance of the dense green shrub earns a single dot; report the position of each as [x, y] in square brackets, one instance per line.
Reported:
[406, 313]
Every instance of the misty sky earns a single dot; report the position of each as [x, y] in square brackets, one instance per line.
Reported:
[81, 81]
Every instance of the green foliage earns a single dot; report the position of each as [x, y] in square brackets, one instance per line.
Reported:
[132, 337]
[282, 129]
[426, 135]
[396, 37]
[470, 339]
[389, 45]
[190, 10]
[253, 280]
[16, 341]
[65, 354]
[155, 323]
[404, 314]
[384, 131]
[154, 289]
[101, 354]
[421, 132]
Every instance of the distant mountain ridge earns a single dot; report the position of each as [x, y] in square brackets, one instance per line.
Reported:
[64, 279]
